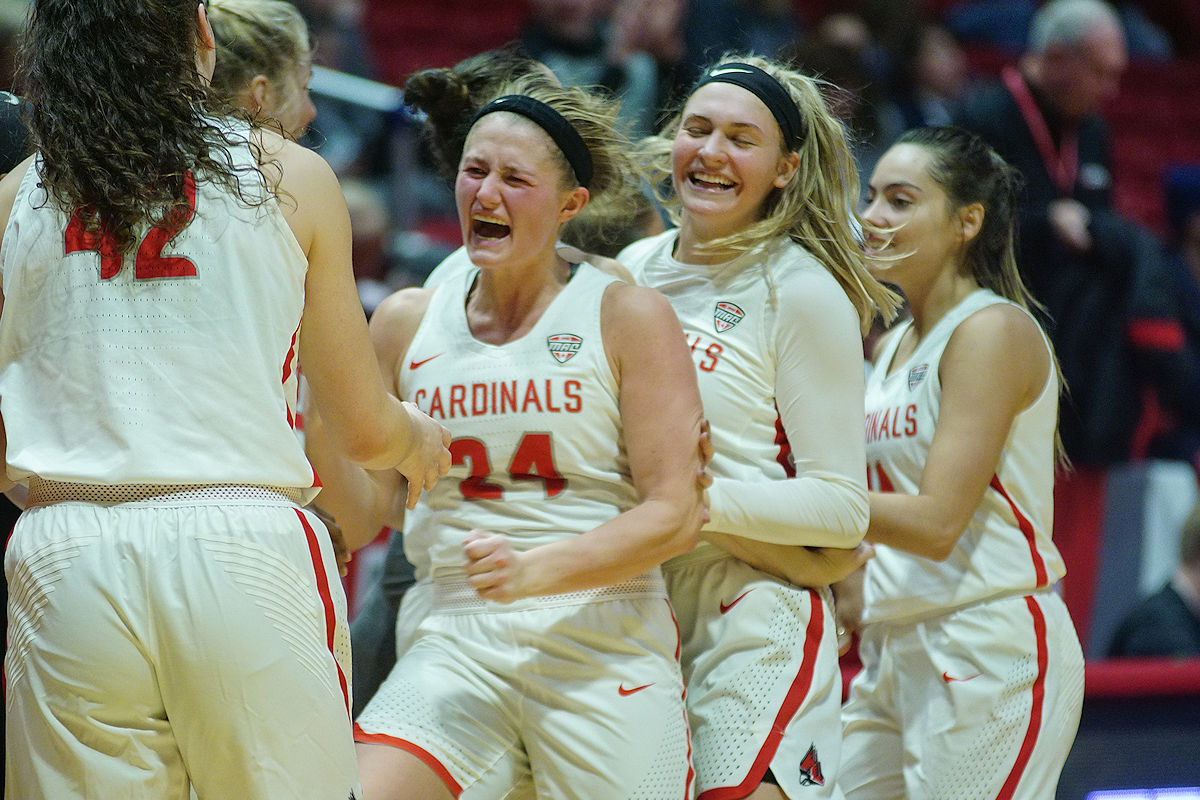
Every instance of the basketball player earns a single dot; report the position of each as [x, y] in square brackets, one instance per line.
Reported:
[972, 677]
[449, 99]
[174, 623]
[550, 656]
[264, 61]
[770, 286]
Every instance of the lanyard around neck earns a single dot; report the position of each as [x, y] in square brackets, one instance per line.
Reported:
[1062, 163]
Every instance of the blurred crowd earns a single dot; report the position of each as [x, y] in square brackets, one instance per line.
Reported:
[1120, 296]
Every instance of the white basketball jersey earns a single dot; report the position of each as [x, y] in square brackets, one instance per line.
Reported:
[729, 318]
[1006, 547]
[538, 451]
[174, 365]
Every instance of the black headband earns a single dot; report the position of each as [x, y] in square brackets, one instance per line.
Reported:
[553, 123]
[766, 88]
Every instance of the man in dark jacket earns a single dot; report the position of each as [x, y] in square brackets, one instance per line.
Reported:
[1078, 256]
[1167, 623]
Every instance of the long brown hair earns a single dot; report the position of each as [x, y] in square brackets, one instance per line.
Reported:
[117, 111]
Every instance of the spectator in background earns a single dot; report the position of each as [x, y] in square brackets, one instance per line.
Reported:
[353, 139]
[1005, 24]
[1167, 623]
[713, 28]
[1077, 254]
[1173, 363]
[578, 42]
[930, 78]
[844, 53]
[1181, 19]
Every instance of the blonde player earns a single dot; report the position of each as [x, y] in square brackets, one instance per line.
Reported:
[264, 61]
[770, 286]
[549, 659]
[972, 675]
[174, 623]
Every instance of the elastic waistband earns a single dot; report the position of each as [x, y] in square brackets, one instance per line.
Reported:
[932, 614]
[452, 594]
[44, 492]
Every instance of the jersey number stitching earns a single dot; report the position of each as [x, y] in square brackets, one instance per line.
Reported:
[533, 460]
[150, 263]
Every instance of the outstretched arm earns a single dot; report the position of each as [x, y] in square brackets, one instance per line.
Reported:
[371, 426]
[363, 501]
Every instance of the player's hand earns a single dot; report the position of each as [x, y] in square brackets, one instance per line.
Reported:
[340, 550]
[1069, 219]
[428, 454]
[493, 568]
[834, 564]
[848, 607]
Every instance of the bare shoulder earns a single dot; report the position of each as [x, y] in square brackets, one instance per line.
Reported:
[1000, 340]
[401, 309]
[8, 190]
[301, 169]
[1004, 324]
[395, 321]
[629, 307]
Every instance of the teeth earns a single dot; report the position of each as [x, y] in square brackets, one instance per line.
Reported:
[494, 220]
[708, 177]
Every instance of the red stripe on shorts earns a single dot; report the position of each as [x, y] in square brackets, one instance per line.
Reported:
[1039, 566]
[791, 703]
[314, 551]
[428, 758]
[691, 772]
[1035, 711]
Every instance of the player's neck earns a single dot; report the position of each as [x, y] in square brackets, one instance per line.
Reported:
[503, 306]
[935, 300]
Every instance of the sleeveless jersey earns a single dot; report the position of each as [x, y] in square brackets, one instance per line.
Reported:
[175, 365]
[730, 316]
[538, 451]
[1005, 548]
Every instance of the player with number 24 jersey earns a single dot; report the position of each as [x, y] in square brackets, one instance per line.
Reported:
[510, 473]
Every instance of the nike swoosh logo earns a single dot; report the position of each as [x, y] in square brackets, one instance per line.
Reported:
[948, 678]
[621, 690]
[415, 364]
[726, 606]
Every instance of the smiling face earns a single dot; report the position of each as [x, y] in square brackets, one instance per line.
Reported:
[511, 192]
[726, 159]
[903, 196]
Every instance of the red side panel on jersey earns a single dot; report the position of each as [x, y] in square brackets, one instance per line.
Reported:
[1039, 565]
[1037, 699]
[288, 361]
[430, 760]
[784, 456]
[791, 704]
[322, 577]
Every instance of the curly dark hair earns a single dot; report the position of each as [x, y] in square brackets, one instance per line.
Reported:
[118, 111]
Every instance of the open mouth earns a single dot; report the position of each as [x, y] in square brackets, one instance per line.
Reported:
[489, 228]
[709, 181]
